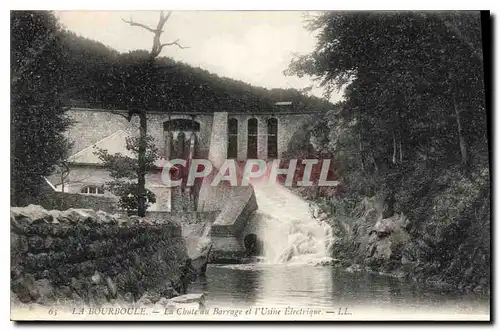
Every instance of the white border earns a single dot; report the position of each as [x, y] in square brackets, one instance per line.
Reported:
[201, 5]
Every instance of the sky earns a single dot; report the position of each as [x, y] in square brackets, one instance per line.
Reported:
[251, 46]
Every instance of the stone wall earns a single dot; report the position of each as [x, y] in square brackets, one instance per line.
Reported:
[92, 257]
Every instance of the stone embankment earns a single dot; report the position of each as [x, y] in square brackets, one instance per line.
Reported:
[80, 255]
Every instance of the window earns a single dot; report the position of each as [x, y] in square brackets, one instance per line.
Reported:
[92, 190]
[232, 146]
[252, 138]
[272, 138]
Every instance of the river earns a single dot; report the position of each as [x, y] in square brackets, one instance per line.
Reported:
[361, 294]
[294, 243]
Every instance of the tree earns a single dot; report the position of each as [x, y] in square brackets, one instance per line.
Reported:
[37, 112]
[146, 73]
[413, 129]
[124, 171]
[409, 76]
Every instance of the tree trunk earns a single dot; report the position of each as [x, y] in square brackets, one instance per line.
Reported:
[361, 152]
[461, 138]
[141, 169]
[394, 149]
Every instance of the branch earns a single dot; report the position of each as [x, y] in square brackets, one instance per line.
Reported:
[144, 26]
[163, 19]
[176, 42]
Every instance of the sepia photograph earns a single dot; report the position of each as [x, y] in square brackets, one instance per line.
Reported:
[204, 165]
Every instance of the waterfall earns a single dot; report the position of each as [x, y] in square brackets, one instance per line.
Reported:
[287, 228]
[197, 237]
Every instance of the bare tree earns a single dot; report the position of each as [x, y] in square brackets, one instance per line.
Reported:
[141, 113]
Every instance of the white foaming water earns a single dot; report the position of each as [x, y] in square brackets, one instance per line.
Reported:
[196, 236]
[287, 229]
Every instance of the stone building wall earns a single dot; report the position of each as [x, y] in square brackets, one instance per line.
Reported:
[92, 125]
[81, 176]
[288, 124]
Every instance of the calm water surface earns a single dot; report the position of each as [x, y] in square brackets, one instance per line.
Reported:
[281, 285]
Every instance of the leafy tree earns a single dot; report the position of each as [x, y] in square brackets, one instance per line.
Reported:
[125, 170]
[37, 112]
[413, 127]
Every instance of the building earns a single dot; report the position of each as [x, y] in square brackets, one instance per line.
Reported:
[213, 135]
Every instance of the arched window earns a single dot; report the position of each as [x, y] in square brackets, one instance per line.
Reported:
[232, 139]
[92, 190]
[252, 138]
[174, 148]
[272, 138]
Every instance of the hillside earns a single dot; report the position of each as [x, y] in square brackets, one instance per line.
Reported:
[96, 76]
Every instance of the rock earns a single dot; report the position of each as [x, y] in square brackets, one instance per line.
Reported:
[103, 217]
[45, 291]
[36, 242]
[18, 243]
[76, 298]
[111, 287]
[79, 215]
[170, 292]
[286, 255]
[96, 278]
[48, 242]
[98, 294]
[25, 288]
[329, 262]
[56, 214]
[382, 249]
[149, 298]
[384, 226]
[128, 297]
[189, 298]
[163, 302]
[353, 268]
[63, 292]
[31, 214]
[196, 301]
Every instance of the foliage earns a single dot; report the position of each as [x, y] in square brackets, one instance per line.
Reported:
[37, 112]
[412, 130]
[124, 170]
[97, 76]
[128, 195]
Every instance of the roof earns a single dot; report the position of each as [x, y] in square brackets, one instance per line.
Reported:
[114, 144]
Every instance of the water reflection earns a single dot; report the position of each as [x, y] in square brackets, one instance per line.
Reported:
[322, 287]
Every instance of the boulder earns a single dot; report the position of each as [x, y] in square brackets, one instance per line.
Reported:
[384, 226]
[30, 214]
[353, 268]
[79, 215]
[46, 292]
[56, 214]
[189, 298]
[25, 288]
[149, 298]
[193, 300]
[128, 297]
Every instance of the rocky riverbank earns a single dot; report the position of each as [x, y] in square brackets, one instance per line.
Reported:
[365, 241]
